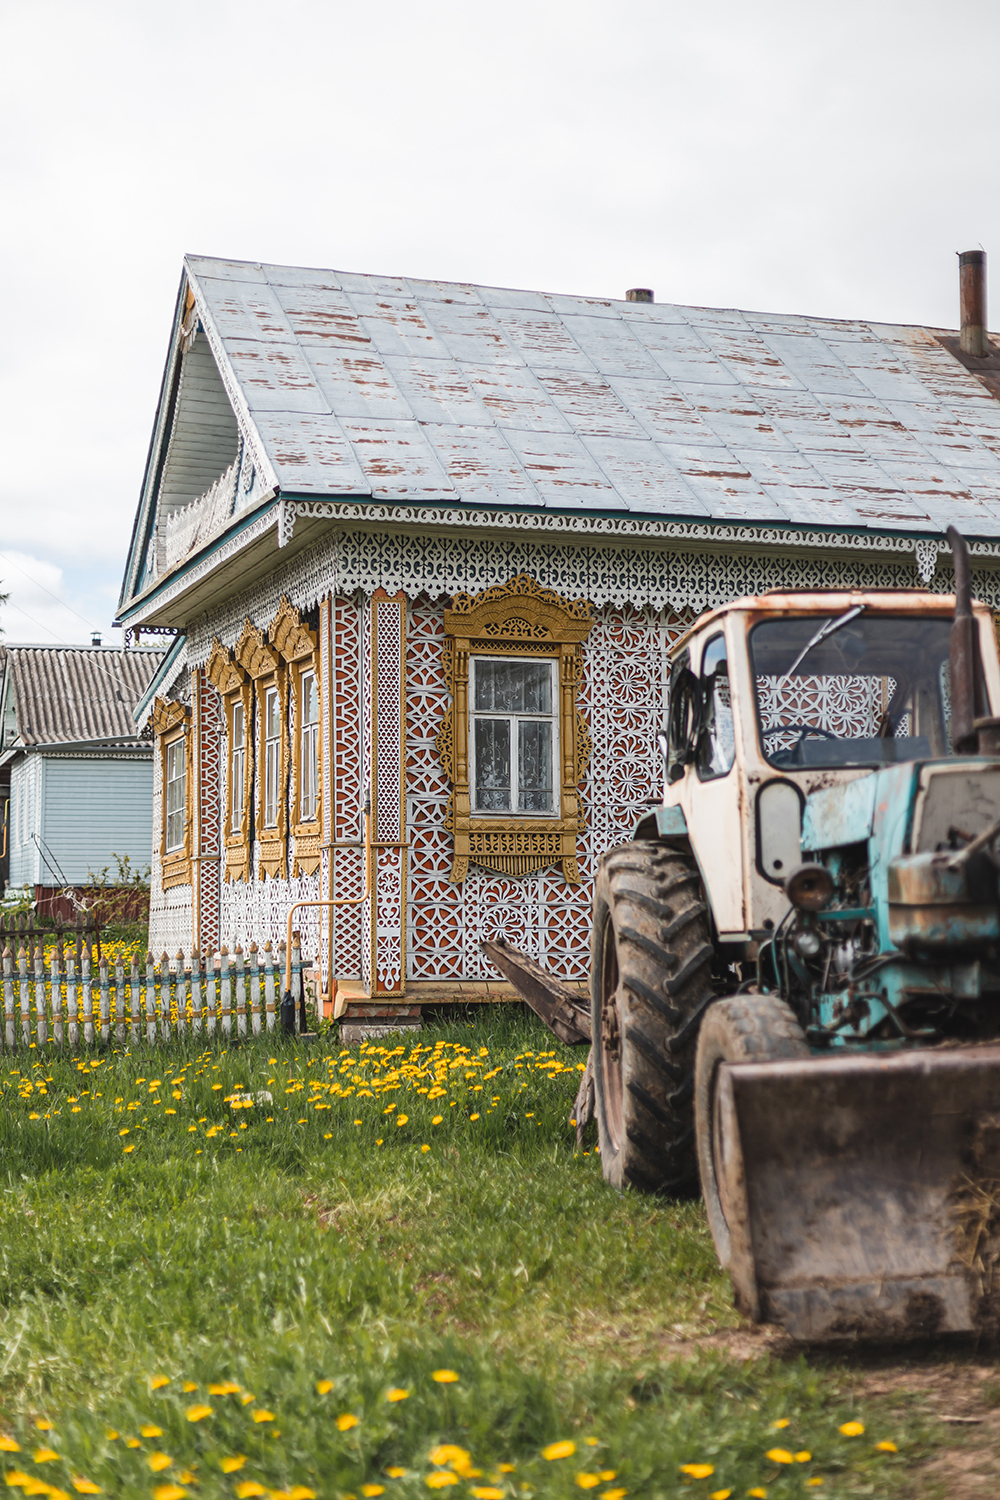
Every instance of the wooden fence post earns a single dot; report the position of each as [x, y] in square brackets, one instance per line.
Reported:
[225, 987]
[211, 992]
[254, 990]
[22, 971]
[8, 997]
[41, 1022]
[150, 999]
[269, 985]
[58, 1032]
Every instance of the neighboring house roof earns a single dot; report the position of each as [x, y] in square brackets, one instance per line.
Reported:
[414, 392]
[74, 694]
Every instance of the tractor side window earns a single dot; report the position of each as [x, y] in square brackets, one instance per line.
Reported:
[717, 740]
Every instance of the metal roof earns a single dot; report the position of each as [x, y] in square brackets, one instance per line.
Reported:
[72, 694]
[406, 390]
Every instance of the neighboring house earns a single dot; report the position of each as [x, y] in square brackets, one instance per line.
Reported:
[79, 780]
[433, 541]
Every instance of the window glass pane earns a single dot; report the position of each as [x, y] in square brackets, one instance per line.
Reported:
[492, 792]
[176, 793]
[271, 749]
[534, 766]
[310, 702]
[237, 770]
[271, 712]
[308, 749]
[513, 687]
[237, 726]
[717, 742]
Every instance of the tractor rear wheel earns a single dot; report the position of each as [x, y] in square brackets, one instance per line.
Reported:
[746, 1028]
[651, 979]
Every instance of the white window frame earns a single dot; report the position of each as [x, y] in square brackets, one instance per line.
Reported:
[552, 717]
[308, 751]
[175, 749]
[272, 754]
[237, 767]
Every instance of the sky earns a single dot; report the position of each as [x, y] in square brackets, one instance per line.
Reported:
[778, 155]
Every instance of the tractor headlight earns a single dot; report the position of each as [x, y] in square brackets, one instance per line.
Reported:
[807, 942]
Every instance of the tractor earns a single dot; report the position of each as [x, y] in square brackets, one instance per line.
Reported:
[795, 979]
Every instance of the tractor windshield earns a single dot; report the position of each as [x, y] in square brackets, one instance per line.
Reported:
[871, 691]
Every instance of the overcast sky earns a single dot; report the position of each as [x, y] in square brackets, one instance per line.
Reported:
[785, 155]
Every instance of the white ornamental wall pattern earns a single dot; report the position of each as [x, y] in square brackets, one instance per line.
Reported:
[621, 696]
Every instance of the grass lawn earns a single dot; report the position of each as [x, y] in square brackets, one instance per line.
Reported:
[396, 1276]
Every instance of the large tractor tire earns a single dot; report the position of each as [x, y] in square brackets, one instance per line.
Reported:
[651, 980]
[746, 1028]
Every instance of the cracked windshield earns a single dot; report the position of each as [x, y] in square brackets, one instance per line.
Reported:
[851, 689]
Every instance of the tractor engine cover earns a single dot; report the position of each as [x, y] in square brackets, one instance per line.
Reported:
[931, 908]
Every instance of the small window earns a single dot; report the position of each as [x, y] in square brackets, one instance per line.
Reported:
[237, 768]
[176, 793]
[717, 741]
[513, 739]
[272, 756]
[308, 748]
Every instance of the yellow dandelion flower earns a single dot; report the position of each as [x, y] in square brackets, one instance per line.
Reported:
[299, 1492]
[132, 1443]
[591, 1442]
[815, 1481]
[395, 1472]
[441, 1479]
[720, 1495]
[198, 1413]
[8, 1445]
[346, 1421]
[46, 1455]
[186, 1477]
[86, 1487]
[781, 1422]
[779, 1456]
[224, 1388]
[111, 1435]
[887, 1447]
[43, 1424]
[757, 1494]
[486, 1492]
[437, 1119]
[852, 1429]
[128, 1149]
[246, 1397]
[324, 1387]
[698, 1471]
[564, 1449]
[425, 1148]
[158, 1381]
[248, 1488]
[230, 1465]
[189, 1386]
[402, 1119]
[605, 1475]
[613, 1494]
[159, 1461]
[150, 1431]
[588, 1481]
[444, 1377]
[473, 1117]
[262, 1416]
[396, 1394]
[448, 1453]
[803, 1457]
[169, 1492]
[373, 1489]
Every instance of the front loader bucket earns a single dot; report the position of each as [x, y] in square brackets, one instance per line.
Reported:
[863, 1193]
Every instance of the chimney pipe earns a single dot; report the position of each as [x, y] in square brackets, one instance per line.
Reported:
[639, 294]
[972, 298]
[95, 637]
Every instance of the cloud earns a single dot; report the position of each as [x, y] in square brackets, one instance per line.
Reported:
[40, 606]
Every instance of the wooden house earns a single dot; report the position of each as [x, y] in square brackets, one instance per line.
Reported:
[429, 543]
[78, 780]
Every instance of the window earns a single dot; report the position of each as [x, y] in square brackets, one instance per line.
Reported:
[237, 767]
[513, 742]
[308, 747]
[272, 755]
[717, 740]
[175, 792]
[514, 735]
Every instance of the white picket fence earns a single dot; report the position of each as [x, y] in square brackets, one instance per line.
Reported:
[65, 997]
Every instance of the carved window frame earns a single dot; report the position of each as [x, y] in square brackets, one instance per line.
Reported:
[171, 723]
[517, 619]
[233, 685]
[265, 668]
[298, 645]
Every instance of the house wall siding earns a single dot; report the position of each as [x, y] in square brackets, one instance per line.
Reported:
[92, 810]
[25, 800]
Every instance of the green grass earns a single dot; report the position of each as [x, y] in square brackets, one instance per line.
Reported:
[320, 1258]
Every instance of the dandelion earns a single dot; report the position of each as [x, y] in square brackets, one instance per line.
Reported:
[437, 1119]
[129, 1149]
[395, 1472]
[249, 1488]
[613, 1494]
[396, 1394]
[814, 1482]
[486, 1492]
[425, 1148]
[605, 1475]
[262, 1416]
[110, 1434]
[158, 1381]
[698, 1471]
[43, 1424]
[230, 1465]
[473, 1117]
[887, 1447]
[757, 1494]
[720, 1495]
[781, 1422]
[441, 1479]
[189, 1386]
[324, 1387]
[779, 1456]
[852, 1429]
[402, 1119]
[562, 1449]
[246, 1397]
[8, 1445]
[169, 1492]
[803, 1457]
[132, 1443]
[198, 1413]
[591, 1442]
[588, 1481]
[444, 1377]
[159, 1461]
[346, 1421]
[86, 1487]
[150, 1431]
[373, 1489]
[45, 1455]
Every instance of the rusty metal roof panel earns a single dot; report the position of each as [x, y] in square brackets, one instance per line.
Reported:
[407, 388]
[68, 694]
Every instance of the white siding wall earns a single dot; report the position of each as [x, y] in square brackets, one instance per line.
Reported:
[92, 810]
[25, 810]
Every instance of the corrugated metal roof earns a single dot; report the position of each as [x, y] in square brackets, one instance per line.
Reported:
[63, 694]
[408, 391]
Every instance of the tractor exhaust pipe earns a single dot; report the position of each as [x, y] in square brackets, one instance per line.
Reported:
[962, 650]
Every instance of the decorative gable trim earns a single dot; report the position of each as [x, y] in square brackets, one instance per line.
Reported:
[289, 634]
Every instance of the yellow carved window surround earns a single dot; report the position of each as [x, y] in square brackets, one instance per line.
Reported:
[232, 683]
[265, 667]
[298, 645]
[512, 660]
[172, 727]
